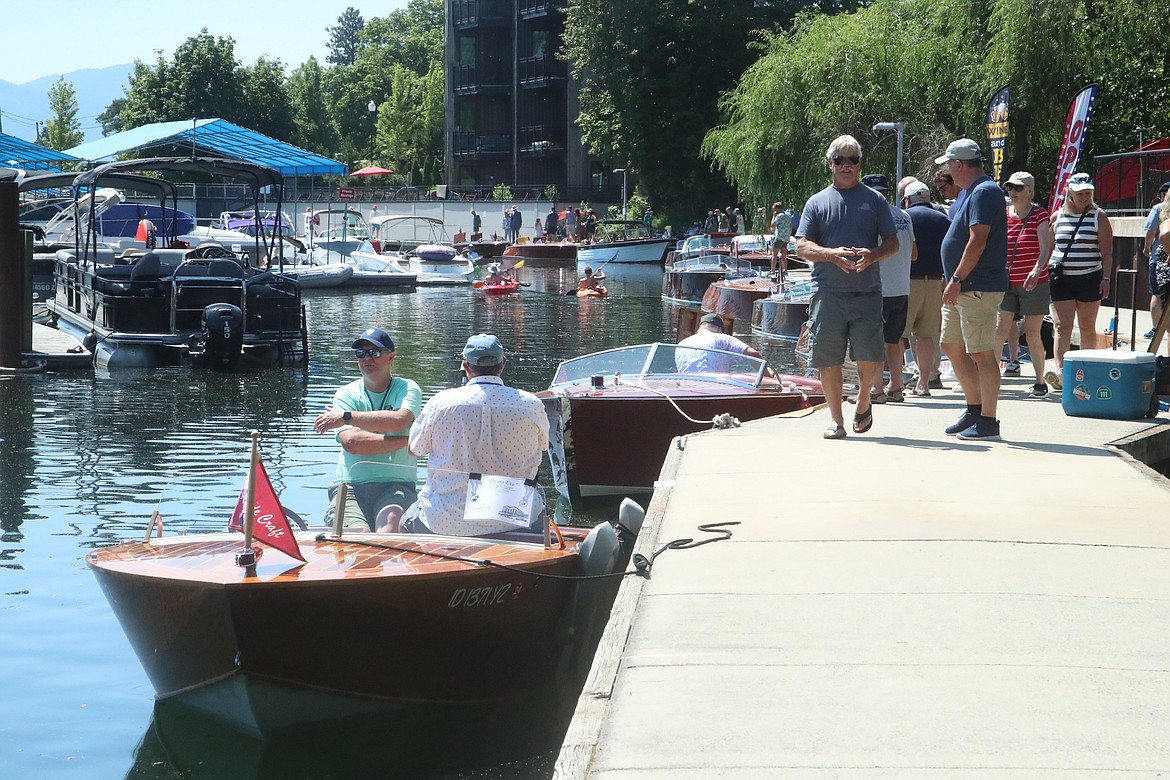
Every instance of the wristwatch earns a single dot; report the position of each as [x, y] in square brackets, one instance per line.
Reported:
[347, 416]
[956, 279]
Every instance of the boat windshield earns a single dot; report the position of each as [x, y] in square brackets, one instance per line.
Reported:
[661, 360]
[621, 230]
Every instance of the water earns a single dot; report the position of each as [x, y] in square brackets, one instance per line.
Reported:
[85, 459]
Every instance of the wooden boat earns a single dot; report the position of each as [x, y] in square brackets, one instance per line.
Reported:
[211, 305]
[702, 261]
[369, 625]
[733, 298]
[782, 314]
[622, 241]
[596, 292]
[553, 253]
[613, 414]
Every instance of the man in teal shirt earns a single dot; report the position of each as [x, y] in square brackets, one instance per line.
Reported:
[372, 417]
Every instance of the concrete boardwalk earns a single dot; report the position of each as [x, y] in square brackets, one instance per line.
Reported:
[899, 604]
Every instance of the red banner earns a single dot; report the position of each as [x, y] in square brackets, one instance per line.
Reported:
[1075, 127]
[269, 525]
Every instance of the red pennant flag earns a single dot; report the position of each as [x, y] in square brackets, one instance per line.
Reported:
[270, 525]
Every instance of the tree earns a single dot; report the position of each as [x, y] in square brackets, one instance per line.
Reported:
[410, 123]
[312, 128]
[203, 80]
[411, 36]
[63, 130]
[266, 106]
[345, 39]
[111, 118]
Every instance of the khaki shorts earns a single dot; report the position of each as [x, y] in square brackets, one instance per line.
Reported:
[924, 312]
[972, 322]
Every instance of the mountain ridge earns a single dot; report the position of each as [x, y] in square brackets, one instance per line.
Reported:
[23, 105]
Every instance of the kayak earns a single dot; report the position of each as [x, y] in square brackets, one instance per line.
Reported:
[596, 292]
[500, 289]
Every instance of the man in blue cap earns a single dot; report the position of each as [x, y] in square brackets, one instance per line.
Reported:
[372, 417]
[484, 427]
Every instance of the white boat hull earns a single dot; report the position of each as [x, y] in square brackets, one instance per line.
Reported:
[648, 251]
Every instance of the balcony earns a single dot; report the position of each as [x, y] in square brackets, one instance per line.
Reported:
[469, 14]
[472, 80]
[481, 146]
[542, 141]
[540, 71]
[532, 9]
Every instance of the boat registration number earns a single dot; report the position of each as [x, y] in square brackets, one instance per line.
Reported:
[482, 597]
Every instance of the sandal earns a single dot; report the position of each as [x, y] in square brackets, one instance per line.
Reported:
[895, 396]
[918, 392]
[863, 421]
[834, 431]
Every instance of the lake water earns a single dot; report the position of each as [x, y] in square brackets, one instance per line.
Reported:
[85, 459]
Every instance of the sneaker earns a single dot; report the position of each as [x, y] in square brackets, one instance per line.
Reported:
[1150, 333]
[1052, 378]
[1012, 368]
[984, 429]
[1039, 390]
[936, 384]
[964, 422]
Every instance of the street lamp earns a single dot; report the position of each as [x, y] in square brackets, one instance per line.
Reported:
[900, 127]
[622, 171]
[373, 107]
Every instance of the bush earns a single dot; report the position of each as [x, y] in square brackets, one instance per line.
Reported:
[501, 192]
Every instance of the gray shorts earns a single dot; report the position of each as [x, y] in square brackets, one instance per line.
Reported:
[366, 499]
[840, 320]
[1021, 303]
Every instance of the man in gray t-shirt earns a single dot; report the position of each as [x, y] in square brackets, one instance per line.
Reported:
[845, 230]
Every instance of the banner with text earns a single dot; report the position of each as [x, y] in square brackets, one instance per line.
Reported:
[1075, 128]
[997, 131]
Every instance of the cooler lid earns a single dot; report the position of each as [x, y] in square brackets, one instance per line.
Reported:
[1113, 357]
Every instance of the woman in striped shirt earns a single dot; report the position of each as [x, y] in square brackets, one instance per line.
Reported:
[1029, 245]
[1083, 248]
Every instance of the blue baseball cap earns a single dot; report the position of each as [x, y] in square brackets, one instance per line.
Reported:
[375, 336]
[876, 181]
[483, 349]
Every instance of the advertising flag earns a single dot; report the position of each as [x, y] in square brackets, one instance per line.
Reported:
[1075, 128]
[997, 130]
[270, 525]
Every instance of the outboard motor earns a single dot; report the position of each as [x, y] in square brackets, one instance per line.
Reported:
[223, 335]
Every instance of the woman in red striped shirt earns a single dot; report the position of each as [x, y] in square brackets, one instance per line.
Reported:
[1029, 245]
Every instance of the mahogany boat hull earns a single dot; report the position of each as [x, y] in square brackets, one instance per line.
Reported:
[734, 297]
[357, 631]
[540, 254]
[616, 442]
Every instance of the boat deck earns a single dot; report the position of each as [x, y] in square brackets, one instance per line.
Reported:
[897, 604]
[57, 350]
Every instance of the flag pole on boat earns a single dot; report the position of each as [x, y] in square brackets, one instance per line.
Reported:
[247, 557]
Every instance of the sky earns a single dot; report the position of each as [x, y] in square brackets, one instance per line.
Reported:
[90, 34]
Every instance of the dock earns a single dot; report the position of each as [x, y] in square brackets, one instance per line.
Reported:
[898, 604]
[55, 350]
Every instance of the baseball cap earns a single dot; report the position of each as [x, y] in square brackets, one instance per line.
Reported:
[916, 189]
[876, 181]
[375, 336]
[483, 349]
[962, 149]
[1023, 178]
[1080, 182]
[711, 319]
[1164, 188]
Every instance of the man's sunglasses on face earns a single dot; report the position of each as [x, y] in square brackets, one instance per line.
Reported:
[374, 353]
[850, 160]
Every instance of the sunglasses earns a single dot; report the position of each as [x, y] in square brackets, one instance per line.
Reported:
[374, 353]
[850, 160]
[1013, 187]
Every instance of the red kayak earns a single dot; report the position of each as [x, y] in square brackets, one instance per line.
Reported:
[500, 289]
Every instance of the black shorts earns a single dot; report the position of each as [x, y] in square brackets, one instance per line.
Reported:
[1085, 288]
[894, 310]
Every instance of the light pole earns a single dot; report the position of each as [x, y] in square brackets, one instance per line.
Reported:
[900, 127]
[622, 171]
[373, 107]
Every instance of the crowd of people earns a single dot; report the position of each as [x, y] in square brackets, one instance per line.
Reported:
[954, 277]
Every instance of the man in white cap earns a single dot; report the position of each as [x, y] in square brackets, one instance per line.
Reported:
[924, 310]
[372, 417]
[484, 427]
[974, 256]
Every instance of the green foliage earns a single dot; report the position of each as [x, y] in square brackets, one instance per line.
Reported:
[638, 203]
[410, 123]
[345, 40]
[501, 192]
[62, 130]
[111, 118]
[550, 192]
[411, 37]
[312, 128]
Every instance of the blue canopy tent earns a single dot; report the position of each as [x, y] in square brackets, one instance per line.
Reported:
[18, 153]
[212, 137]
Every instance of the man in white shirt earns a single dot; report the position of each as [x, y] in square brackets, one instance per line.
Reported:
[710, 335]
[484, 427]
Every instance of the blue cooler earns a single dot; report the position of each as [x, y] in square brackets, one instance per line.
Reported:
[1109, 384]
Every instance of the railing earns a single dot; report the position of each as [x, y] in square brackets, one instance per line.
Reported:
[481, 144]
[475, 13]
[530, 9]
[542, 139]
[467, 77]
[538, 70]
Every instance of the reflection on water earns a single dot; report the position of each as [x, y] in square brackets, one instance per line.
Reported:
[85, 459]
